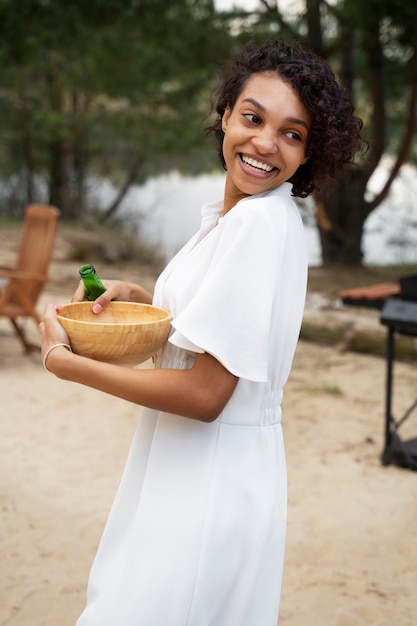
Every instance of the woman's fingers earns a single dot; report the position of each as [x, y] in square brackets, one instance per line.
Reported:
[115, 290]
[50, 330]
[79, 293]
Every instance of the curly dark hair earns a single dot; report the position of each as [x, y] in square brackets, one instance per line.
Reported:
[335, 134]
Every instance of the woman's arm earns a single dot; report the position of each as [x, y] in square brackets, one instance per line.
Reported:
[198, 393]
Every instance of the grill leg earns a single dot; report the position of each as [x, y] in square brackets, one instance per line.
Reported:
[386, 454]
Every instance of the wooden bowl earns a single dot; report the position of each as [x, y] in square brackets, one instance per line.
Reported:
[126, 333]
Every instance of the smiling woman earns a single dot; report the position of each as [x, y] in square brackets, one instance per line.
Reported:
[333, 131]
[265, 137]
[197, 531]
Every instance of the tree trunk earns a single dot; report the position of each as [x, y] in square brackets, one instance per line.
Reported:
[61, 167]
[341, 215]
[29, 168]
[314, 29]
[61, 172]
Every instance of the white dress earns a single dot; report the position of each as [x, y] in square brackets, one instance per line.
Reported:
[196, 534]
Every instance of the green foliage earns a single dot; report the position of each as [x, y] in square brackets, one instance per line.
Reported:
[92, 87]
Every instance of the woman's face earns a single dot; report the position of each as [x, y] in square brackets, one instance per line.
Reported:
[265, 137]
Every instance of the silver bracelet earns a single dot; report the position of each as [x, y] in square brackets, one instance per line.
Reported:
[56, 345]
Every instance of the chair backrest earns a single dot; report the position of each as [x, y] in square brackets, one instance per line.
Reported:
[37, 245]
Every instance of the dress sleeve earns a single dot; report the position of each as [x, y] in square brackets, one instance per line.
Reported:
[230, 314]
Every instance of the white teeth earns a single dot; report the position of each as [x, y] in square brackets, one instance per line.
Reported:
[257, 164]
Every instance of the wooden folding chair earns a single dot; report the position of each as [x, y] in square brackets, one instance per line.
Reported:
[21, 286]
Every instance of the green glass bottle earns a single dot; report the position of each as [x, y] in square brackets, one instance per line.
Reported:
[92, 283]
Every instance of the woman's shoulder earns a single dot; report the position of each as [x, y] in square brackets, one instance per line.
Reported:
[272, 208]
[261, 226]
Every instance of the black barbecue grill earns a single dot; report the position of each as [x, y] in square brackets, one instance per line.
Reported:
[400, 316]
[397, 303]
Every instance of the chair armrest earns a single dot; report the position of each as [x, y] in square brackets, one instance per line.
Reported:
[20, 275]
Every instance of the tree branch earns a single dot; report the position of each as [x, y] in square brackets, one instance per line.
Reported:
[377, 93]
[131, 177]
[410, 129]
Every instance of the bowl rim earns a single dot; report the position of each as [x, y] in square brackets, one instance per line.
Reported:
[164, 318]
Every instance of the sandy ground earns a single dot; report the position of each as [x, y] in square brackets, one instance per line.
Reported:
[352, 533]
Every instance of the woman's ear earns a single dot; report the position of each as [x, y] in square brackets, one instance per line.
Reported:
[225, 118]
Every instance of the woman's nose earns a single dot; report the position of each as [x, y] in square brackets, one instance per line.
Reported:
[265, 140]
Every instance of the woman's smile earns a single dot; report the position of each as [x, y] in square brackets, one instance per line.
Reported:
[258, 167]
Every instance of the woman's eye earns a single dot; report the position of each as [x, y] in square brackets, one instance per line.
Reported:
[251, 117]
[294, 136]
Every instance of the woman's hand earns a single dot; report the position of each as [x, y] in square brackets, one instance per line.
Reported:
[50, 330]
[115, 290]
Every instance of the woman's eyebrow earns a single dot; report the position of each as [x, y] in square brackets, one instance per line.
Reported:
[297, 120]
[292, 120]
[255, 103]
